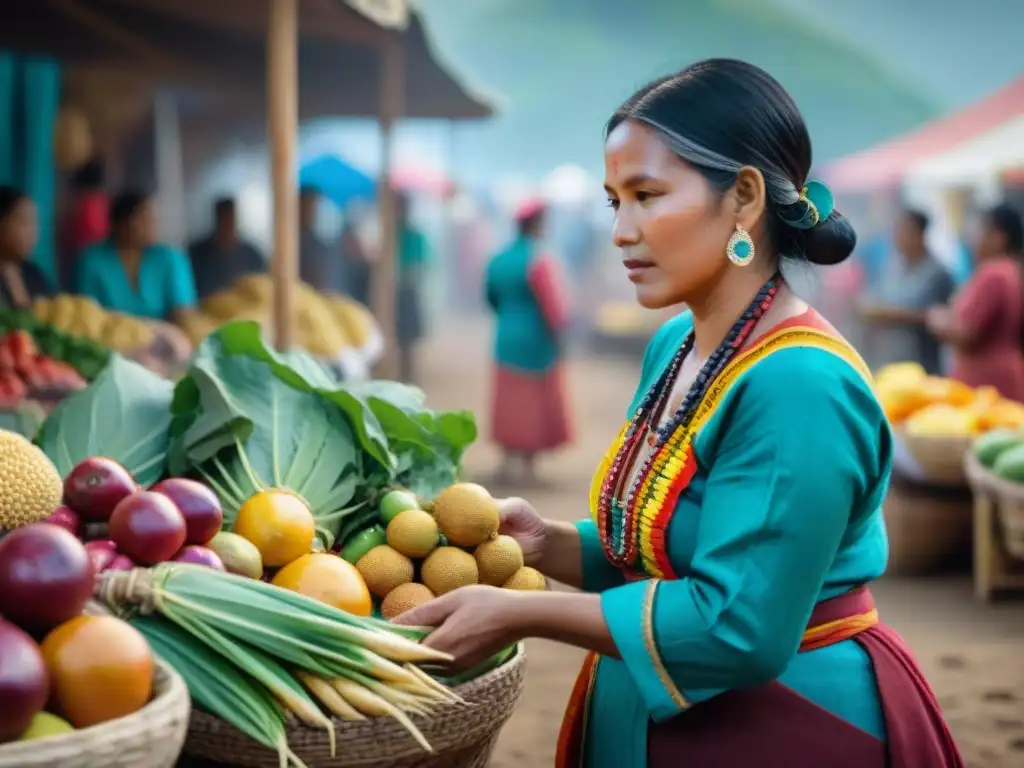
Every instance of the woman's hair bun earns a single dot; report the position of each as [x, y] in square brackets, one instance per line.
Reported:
[829, 242]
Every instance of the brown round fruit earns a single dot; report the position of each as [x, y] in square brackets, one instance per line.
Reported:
[466, 514]
[526, 578]
[413, 533]
[498, 559]
[449, 568]
[383, 569]
[404, 598]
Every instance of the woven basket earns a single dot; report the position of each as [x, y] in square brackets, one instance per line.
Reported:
[462, 735]
[150, 738]
[928, 526]
[941, 459]
[1010, 503]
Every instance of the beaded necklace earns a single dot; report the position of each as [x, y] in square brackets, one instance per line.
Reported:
[648, 501]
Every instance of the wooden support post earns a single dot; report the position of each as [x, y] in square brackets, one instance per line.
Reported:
[385, 272]
[282, 125]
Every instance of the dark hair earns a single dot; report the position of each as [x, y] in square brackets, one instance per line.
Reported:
[10, 197]
[308, 190]
[223, 206]
[529, 225]
[89, 176]
[125, 206]
[918, 218]
[720, 115]
[1007, 221]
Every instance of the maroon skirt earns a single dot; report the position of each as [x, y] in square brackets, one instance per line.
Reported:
[772, 726]
[529, 411]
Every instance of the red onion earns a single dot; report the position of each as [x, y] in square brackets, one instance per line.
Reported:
[24, 681]
[197, 555]
[102, 553]
[198, 504]
[121, 563]
[66, 518]
[46, 576]
[147, 527]
[95, 486]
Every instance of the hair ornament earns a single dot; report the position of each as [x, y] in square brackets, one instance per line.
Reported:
[818, 204]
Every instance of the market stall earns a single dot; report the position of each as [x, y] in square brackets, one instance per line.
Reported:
[199, 513]
[170, 536]
[935, 420]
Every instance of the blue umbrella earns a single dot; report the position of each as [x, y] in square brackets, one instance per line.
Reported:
[336, 180]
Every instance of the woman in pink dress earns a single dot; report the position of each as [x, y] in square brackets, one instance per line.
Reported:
[985, 324]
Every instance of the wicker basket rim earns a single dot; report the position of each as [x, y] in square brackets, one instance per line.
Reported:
[984, 479]
[169, 688]
[957, 440]
[359, 731]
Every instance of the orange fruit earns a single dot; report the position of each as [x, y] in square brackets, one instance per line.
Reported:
[101, 668]
[329, 579]
[279, 523]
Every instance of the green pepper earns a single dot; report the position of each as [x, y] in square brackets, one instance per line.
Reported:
[363, 542]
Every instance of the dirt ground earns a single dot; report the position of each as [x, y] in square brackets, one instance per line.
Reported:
[972, 653]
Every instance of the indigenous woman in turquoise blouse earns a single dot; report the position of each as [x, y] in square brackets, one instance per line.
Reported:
[133, 273]
[736, 520]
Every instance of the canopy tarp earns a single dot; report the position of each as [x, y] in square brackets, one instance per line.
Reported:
[219, 46]
[958, 137]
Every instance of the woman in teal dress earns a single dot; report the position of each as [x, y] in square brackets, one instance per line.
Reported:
[736, 520]
[133, 273]
[529, 413]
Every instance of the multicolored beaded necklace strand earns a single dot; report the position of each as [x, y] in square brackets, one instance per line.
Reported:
[622, 520]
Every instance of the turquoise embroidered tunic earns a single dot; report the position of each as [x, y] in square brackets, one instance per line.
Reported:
[785, 510]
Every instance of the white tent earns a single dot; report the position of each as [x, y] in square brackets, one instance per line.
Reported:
[979, 160]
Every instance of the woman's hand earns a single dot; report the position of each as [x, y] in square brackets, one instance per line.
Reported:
[522, 522]
[472, 623]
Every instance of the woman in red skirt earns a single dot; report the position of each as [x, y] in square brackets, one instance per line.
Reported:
[529, 414]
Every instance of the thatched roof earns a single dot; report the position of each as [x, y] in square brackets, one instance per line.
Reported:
[219, 46]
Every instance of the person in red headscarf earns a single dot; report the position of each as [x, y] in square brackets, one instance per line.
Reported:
[524, 290]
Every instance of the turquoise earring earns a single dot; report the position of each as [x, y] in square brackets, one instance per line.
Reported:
[740, 249]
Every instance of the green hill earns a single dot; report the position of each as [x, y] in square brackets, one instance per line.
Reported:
[558, 69]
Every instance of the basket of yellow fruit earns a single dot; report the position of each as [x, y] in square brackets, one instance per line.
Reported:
[937, 418]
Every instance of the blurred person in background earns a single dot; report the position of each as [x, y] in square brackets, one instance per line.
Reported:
[222, 257]
[736, 520]
[913, 281]
[413, 260]
[529, 411]
[21, 281]
[320, 264]
[985, 323]
[87, 218]
[358, 267]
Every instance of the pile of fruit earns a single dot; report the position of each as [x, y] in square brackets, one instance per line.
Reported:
[421, 554]
[932, 406]
[26, 373]
[327, 325]
[59, 670]
[85, 356]
[265, 571]
[83, 317]
[1002, 452]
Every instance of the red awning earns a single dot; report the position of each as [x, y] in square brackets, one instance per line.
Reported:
[886, 164]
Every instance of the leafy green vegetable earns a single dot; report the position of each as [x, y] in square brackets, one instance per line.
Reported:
[428, 444]
[247, 417]
[242, 428]
[124, 415]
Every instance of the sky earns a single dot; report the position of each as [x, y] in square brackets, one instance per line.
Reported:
[937, 53]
